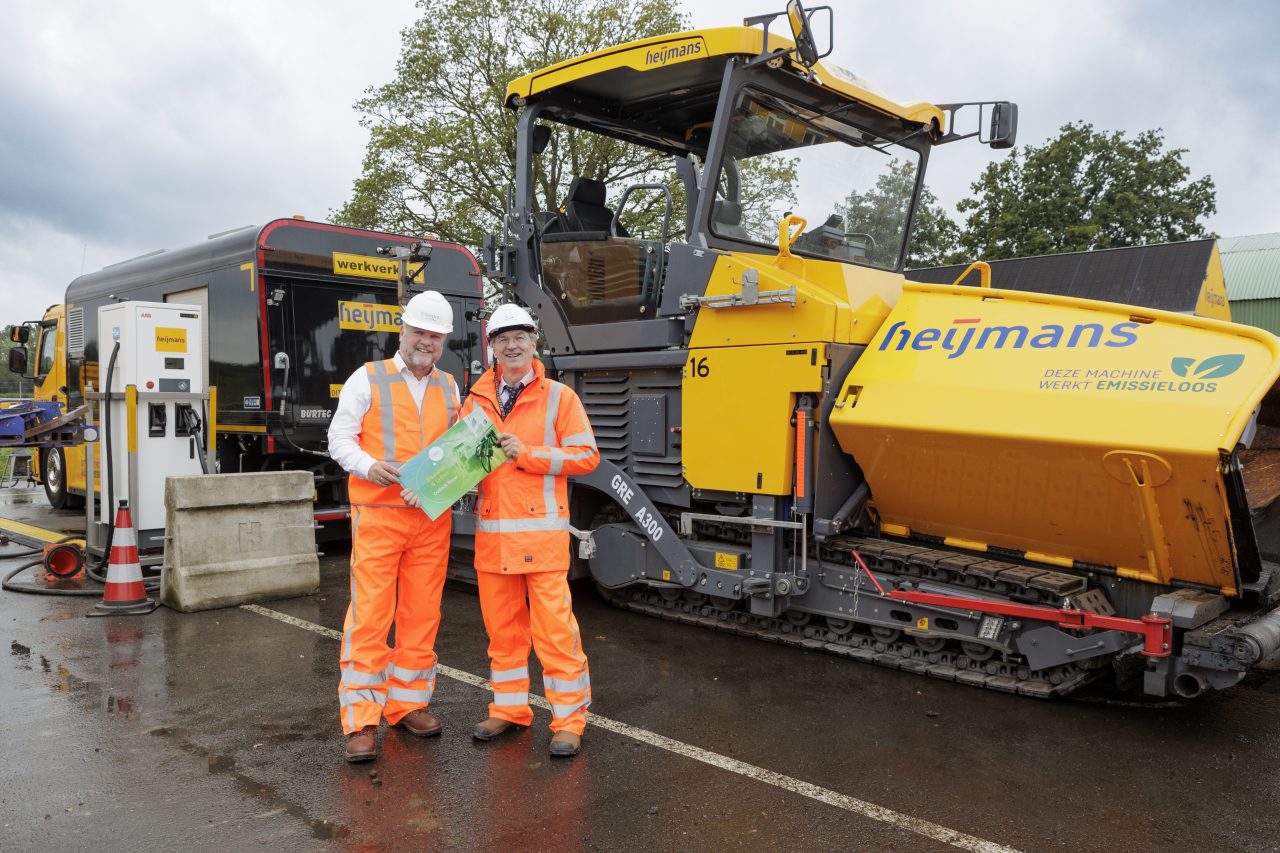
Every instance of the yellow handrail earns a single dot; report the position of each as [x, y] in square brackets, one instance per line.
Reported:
[785, 236]
[984, 273]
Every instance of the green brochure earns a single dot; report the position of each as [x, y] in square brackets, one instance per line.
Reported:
[450, 466]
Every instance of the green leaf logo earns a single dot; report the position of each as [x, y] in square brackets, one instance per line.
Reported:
[1214, 367]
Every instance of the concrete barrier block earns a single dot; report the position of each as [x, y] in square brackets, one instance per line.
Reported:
[237, 538]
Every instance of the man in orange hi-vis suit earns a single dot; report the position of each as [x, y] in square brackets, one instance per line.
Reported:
[522, 535]
[387, 412]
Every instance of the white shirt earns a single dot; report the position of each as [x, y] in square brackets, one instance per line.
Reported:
[353, 404]
[503, 386]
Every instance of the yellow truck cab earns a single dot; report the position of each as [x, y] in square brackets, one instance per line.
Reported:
[60, 469]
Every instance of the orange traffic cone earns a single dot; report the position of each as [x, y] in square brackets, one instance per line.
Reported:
[124, 594]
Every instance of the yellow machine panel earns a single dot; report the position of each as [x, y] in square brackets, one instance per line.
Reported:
[738, 404]
[712, 45]
[1069, 429]
[834, 302]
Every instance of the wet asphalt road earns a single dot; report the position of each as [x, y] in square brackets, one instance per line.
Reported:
[219, 730]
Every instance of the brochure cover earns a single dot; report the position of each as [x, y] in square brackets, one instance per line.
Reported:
[450, 466]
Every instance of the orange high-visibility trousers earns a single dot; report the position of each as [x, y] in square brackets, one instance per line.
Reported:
[398, 562]
[548, 621]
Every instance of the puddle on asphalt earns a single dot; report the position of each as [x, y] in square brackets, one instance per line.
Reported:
[94, 697]
[91, 696]
[124, 641]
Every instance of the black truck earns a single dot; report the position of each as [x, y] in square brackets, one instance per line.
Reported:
[291, 308]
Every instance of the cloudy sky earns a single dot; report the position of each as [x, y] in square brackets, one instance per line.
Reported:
[132, 126]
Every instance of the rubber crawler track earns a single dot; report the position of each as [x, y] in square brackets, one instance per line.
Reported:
[1005, 673]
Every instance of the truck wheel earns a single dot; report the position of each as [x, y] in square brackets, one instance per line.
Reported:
[53, 471]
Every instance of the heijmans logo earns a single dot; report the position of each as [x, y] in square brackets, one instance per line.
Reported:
[968, 333]
[667, 53]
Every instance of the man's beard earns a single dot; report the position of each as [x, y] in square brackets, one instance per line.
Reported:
[418, 358]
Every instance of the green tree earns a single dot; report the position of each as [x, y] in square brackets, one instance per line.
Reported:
[935, 238]
[441, 149]
[881, 212]
[1085, 189]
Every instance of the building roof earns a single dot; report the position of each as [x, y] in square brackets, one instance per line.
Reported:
[1251, 266]
[1166, 275]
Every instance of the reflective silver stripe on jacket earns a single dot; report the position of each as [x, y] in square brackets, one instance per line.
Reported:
[549, 439]
[443, 381]
[582, 683]
[579, 439]
[352, 676]
[559, 456]
[404, 694]
[502, 676]
[521, 525]
[352, 697]
[509, 699]
[407, 675]
[384, 381]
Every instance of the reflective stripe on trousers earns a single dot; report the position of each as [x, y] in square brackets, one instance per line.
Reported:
[398, 561]
[545, 624]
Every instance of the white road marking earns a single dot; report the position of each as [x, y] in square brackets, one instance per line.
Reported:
[778, 780]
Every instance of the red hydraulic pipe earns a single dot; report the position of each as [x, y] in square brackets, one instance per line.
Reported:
[1156, 631]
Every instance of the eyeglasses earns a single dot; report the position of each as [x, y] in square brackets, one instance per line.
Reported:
[512, 338]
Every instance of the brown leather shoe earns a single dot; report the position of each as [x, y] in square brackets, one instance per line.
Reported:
[419, 723]
[362, 745]
[493, 727]
[565, 744]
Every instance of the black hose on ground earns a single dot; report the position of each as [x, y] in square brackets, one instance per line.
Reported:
[35, 590]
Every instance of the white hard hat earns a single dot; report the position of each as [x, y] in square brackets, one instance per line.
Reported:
[510, 316]
[430, 312]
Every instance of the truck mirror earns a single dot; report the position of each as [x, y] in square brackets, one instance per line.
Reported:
[801, 34]
[18, 360]
[19, 334]
[1004, 124]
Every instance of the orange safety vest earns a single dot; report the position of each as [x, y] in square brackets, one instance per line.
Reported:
[395, 429]
[522, 517]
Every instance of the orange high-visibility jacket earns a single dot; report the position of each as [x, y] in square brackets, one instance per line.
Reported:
[522, 517]
[395, 433]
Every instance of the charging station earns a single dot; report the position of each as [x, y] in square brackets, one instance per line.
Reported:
[155, 410]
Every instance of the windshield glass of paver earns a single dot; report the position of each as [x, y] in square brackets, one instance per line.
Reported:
[853, 187]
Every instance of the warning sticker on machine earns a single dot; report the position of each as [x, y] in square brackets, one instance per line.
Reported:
[726, 561]
[171, 340]
[334, 391]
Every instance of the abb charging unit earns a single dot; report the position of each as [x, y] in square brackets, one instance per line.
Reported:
[156, 404]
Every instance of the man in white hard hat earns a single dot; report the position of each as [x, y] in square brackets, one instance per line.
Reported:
[389, 411]
[522, 535]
